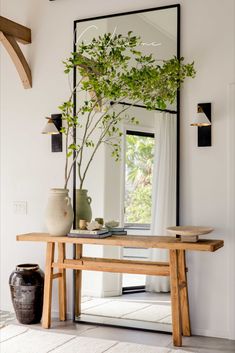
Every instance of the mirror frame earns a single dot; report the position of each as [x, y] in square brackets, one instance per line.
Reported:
[177, 7]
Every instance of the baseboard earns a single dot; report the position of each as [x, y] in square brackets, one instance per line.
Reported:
[211, 333]
[232, 336]
[114, 293]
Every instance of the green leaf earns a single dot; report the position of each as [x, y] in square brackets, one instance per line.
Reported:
[115, 69]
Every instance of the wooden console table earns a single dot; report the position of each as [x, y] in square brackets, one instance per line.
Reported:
[176, 269]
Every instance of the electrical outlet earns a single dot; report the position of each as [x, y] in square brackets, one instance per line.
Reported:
[20, 207]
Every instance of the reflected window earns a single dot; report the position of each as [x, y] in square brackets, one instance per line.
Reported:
[139, 161]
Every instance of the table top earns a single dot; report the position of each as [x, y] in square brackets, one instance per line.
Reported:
[161, 242]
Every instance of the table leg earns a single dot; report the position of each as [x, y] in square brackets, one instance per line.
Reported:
[62, 282]
[78, 282]
[46, 315]
[183, 294]
[175, 299]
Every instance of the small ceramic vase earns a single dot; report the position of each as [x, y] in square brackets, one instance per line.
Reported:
[83, 207]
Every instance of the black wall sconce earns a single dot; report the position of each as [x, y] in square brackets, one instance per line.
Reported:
[53, 127]
[203, 121]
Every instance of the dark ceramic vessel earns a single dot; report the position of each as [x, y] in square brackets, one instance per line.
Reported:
[26, 284]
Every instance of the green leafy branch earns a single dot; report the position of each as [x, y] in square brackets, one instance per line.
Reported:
[111, 69]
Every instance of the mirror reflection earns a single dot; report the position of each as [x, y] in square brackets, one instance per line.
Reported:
[134, 188]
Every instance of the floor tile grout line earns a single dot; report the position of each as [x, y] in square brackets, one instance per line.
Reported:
[21, 333]
[62, 344]
[113, 345]
[135, 311]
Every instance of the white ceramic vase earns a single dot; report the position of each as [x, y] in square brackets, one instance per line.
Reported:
[59, 212]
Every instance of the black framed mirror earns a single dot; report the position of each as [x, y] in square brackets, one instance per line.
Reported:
[159, 29]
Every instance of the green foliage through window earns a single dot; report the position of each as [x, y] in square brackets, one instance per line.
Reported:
[138, 178]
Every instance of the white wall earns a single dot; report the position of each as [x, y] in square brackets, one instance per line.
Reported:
[208, 38]
[29, 169]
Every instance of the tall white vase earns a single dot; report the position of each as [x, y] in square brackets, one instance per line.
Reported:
[59, 212]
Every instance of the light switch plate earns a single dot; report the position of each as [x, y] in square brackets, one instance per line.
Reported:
[20, 207]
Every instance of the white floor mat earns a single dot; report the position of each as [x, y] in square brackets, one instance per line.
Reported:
[153, 313]
[93, 303]
[142, 311]
[124, 347]
[6, 317]
[11, 331]
[166, 320]
[114, 308]
[85, 345]
[41, 341]
[31, 341]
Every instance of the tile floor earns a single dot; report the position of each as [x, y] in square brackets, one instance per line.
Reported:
[195, 344]
[192, 344]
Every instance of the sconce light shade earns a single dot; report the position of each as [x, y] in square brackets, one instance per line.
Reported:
[203, 121]
[200, 118]
[50, 128]
[53, 127]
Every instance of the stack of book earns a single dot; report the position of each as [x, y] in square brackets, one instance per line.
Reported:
[117, 231]
[97, 234]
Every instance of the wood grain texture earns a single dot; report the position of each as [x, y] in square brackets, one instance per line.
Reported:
[175, 299]
[176, 269]
[116, 266]
[62, 284]
[21, 33]
[18, 59]
[78, 282]
[46, 315]
[161, 242]
[56, 275]
[183, 287]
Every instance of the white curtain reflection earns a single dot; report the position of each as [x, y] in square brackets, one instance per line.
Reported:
[164, 191]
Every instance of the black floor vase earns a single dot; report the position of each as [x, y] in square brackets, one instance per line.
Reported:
[26, 284]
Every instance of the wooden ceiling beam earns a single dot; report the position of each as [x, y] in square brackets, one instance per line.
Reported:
[10, 33]
[18, 59]
[21, 33]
